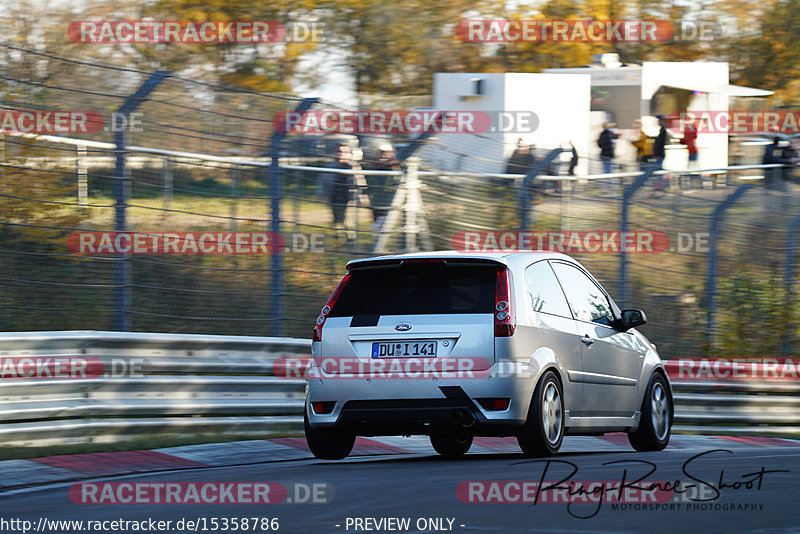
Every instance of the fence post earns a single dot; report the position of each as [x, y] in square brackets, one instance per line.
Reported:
[623, 255]
[234, 173]
[527, 185]
[788, 279]
[166, 175]
[277, 284]
[81, 171]
[122, 266]
[711, 275]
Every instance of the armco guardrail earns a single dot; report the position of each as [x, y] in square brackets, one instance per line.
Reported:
[172, 384]
[139, 383]
[736, 396]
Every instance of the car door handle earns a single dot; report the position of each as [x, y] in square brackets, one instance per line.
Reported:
[586, 340]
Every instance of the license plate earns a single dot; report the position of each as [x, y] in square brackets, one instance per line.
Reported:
[406, 349]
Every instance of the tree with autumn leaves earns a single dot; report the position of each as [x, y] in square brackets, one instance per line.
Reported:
[394, 48]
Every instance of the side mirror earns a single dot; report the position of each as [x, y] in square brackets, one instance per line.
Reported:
[632, 319]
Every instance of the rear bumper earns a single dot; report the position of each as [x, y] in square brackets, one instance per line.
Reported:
[419, 406]
[418, 416]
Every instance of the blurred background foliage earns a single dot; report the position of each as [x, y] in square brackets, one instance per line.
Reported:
[393, 48]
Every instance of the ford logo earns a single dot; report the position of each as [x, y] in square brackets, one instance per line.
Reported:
[403, 327]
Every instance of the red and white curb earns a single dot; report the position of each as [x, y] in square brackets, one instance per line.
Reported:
[52, 469]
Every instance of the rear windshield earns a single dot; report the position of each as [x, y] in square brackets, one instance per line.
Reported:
[418, 291]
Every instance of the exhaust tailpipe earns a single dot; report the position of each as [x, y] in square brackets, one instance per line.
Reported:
[461, 418]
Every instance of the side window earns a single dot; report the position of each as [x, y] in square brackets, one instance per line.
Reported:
[544, 292]
[587, 300]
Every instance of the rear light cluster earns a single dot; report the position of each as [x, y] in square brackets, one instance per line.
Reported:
[327, 308]
[504, 320]
[494, 404]
[323, 407]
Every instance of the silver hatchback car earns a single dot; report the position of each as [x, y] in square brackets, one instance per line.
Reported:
[454, 345]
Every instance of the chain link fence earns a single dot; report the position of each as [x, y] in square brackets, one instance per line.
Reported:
[195, 159]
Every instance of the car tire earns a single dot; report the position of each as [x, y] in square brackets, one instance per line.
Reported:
[655, 424]
[452, 444]
[543, 431]
[328, 443]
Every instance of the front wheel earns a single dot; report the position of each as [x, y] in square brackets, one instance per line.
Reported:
[328, 443]
[544, 428]
[656, 419]
[451, 444]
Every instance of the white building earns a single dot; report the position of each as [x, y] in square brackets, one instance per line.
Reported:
[623, 93]
[560, 102]
[571, 105]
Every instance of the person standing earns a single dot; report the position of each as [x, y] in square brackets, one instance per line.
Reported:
[338, 186]
[521, 160]
[659, 145]
[381, 188]
[791, 155]
[606, 144]
[643, 144]
[690, 140]
[775, 154]
[504, 191]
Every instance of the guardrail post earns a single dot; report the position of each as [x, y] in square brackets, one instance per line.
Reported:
[627, 194]
[122, 266]
[525, 192]
[711, 275]
[276, 285]
[788, 279]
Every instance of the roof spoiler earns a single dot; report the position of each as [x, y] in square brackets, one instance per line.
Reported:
[415, 261]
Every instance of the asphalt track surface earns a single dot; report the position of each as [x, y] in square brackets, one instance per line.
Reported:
[422, 486]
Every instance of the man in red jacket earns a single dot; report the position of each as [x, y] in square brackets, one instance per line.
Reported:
[690, 140]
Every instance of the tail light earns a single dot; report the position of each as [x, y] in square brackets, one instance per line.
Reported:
[327, 308]
[323, 407]
[504, 320]
[493, 404]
